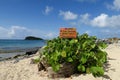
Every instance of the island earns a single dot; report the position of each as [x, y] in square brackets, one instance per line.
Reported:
[32, 38]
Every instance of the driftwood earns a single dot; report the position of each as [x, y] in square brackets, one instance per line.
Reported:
[66, 69]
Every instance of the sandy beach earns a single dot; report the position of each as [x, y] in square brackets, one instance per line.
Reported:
[23, 70]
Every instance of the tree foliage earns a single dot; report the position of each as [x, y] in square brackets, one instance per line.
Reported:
[85, 52]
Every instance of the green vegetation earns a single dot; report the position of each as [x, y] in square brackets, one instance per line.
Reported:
[32, 38]
[84, 52]
[36, 60]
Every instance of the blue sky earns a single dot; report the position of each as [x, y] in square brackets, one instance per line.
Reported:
[43, 18]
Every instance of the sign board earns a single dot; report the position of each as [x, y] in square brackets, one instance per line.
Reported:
[68, 33]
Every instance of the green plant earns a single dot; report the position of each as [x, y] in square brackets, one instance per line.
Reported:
[85, 52]
[36, 60]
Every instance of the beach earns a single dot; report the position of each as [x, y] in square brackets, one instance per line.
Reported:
[24, 70]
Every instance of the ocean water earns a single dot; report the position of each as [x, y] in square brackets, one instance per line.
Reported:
[8, 48]
[7, 44]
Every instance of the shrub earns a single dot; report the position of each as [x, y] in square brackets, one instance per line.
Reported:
[85, 52]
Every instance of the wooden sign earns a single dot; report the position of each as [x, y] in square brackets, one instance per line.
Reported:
[68, 33]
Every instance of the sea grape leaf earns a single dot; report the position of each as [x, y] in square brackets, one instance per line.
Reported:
[56, 67]
[83, 60]
[70, 59]
[102, 45]
[97, 71]
[72, 41]
[63, 53]
[92, 46]
[81, 68]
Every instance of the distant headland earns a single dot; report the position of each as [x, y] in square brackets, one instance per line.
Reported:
[32, 38]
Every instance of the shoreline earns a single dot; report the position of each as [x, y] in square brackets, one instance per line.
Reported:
[14, 55]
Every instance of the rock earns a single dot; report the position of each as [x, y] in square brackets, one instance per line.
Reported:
[31, 52]
[17, 56]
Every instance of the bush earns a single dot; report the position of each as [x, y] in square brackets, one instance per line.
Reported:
[85, 52]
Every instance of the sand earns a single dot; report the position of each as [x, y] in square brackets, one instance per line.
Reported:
[23, 70]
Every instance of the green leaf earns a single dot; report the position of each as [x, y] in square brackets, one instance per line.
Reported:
[88, 70]
[97, 71]
[83, 60]
[72, 41]
[84, 45]
[63, 53]
[70, 59]
[93, 45]
[56, 67]
[81, 68]
[76, 40]
[102, 45]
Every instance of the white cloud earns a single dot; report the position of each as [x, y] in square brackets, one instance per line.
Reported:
[102, 20]
[13, 32]
[51, 35]
[115, 5]
[84, 18]
[15, 29]
[18, 32]
[68, 15]
[48, 9]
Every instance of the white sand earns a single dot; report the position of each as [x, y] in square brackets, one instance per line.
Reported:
[23, 70]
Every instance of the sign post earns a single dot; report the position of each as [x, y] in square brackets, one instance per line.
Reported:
[68, 33]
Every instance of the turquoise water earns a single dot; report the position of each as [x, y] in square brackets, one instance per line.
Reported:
[13, 44]
[10, 48]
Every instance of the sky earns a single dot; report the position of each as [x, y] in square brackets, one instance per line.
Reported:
[44, 18]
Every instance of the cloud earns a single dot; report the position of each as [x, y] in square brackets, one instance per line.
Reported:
[45, 34]
[18, 32]
[48, 9]
[68, 15]
[13, 32]
[51, 35]
[115, 5]
[84, 18]
[102, 20]
[16, 29]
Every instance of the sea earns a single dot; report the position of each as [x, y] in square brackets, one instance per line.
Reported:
[10, 48]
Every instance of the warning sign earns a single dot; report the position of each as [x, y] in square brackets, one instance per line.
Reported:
[68, 33]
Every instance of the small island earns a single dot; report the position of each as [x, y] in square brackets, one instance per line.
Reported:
[32, 38]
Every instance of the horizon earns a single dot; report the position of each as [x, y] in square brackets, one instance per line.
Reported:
[44, 18]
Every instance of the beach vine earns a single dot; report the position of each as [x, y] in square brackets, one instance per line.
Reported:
[85, 52]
